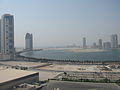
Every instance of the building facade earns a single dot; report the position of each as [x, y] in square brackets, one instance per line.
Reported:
[7, 35]
[84, 43]
[114, 41]
[94, 45]
[29, 41]
[107, 45]
[100, 46]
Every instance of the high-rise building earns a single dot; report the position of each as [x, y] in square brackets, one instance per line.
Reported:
[84, 43]
[94, 45]
[7, 35]
[119, 46]
[100, 44]
[28, 41]
[106, 45]
[114, 41]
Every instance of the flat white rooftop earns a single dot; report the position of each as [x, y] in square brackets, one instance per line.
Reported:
[11, 74]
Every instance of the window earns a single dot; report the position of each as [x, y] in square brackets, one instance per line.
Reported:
[11, 35]
[10, 41]
[10, 46]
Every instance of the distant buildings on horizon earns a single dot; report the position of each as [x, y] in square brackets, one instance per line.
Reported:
[84, 43]
[28, 41]
[114, 41]
[104, 45]
[100, 45]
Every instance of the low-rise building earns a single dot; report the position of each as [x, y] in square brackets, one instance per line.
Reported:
[10, 78]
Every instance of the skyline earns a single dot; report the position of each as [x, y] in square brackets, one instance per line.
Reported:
[60, 23]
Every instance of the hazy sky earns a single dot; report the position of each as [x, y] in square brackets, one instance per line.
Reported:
[63, 22]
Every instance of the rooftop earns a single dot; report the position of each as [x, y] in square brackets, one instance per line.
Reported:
[11, 74]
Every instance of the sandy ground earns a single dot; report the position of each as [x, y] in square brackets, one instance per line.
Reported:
[51, 71]
[67, 67]
[45, 75]
[76, 49]
[84, 50]
[53, 67]
[20, 63]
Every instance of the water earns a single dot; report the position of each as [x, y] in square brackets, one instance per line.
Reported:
[109, 55]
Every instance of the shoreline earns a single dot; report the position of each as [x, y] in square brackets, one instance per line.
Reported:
[84, 50]
[75, 50]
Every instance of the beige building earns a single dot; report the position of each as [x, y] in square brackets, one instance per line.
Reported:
[11, 77]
